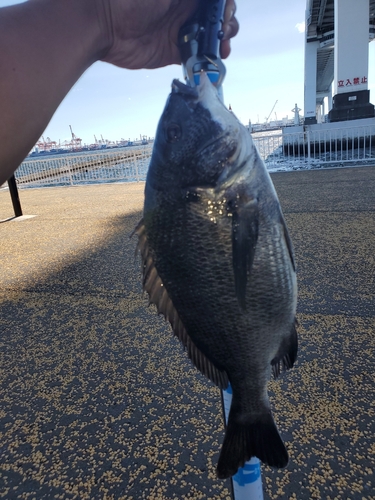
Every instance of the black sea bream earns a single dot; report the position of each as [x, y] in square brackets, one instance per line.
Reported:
[218, 263]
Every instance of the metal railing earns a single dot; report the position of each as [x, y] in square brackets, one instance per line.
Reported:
[281, 150]
[319, 147]
[104, 166]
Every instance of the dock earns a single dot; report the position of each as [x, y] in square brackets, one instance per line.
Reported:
[98, 399]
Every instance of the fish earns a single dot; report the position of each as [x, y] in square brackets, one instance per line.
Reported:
[218, 263]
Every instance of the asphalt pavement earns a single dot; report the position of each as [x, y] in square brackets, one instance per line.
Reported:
[98, 399]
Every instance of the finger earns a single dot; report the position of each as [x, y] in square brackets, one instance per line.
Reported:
[225, 49]
[230, 25]
[229, 11]
[230, 28]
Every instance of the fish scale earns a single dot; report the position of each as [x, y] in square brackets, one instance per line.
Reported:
[219, 264]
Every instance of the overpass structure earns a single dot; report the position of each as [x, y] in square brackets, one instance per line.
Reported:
[336, 59]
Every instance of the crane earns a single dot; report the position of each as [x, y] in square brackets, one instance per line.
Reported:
[45, 144]
[75, 143]
[273, 107]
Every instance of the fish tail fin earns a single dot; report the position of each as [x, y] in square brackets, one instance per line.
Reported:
[243, 440]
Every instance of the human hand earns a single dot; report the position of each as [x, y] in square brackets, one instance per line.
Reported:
[144, 33]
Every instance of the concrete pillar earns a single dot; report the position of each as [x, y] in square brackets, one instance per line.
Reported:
[351, 45]
[319, 113]
[351, 96]
[311, 51]
[330, 97]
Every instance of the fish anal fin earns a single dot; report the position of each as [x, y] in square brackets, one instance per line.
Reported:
[245, 223]
[158, 295]
[287, 353]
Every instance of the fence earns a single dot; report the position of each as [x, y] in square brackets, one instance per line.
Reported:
[319, 146]
[281, 151]
[104, 166]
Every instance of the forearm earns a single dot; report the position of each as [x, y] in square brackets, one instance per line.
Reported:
[46, 46]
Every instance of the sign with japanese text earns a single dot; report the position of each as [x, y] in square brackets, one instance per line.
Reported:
[351, 84]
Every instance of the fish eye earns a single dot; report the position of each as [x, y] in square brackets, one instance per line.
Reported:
[173, 132]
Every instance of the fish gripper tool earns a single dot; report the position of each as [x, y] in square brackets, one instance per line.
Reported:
[199, 42]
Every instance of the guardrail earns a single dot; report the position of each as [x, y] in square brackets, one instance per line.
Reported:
[115, 165]
[281, 151]
[319, 147]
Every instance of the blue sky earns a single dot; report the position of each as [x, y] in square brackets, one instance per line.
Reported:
[266, 64]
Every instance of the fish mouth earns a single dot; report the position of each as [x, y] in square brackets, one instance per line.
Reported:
[180, 88]
[198, 92]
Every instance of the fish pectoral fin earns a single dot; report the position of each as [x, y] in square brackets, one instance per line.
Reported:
[158, 295]
[287, 354]
[245, 223]
[288, 241]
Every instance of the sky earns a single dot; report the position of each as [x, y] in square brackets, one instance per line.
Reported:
[266, 65]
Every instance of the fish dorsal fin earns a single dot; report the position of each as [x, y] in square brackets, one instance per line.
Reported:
[159, 296]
